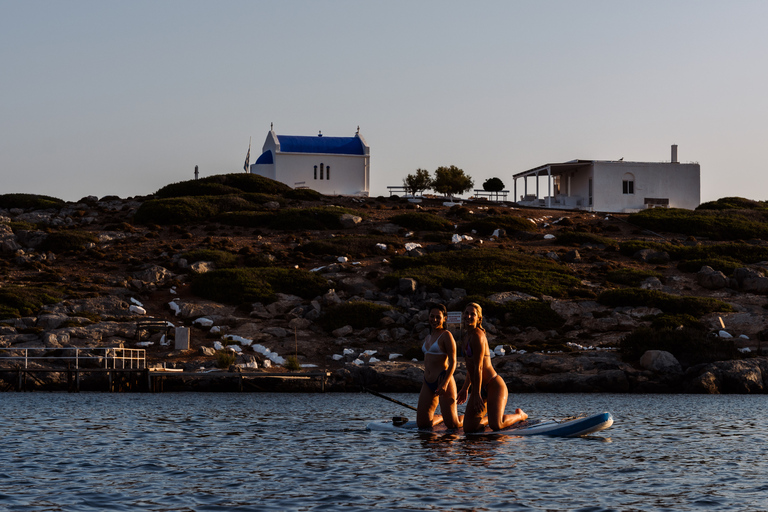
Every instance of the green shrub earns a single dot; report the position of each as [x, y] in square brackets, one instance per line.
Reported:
[487, 270]
[358, 314]
[225, 358]
[434, 277]
[223, 184]
[292, 363]
[420, 221]
[630, 276]
[38, 202]
[318, 218]
[486, 226]
[685, 305]
[689, 346]
[665, 321]
[717, 225]
[733, 203]
[180, 210]
[18, 301]
[724, 265]
[66, 241]
[221, 259]
[521, 313]
[243, 285]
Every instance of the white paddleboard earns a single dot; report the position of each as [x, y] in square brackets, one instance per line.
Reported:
[557, 428]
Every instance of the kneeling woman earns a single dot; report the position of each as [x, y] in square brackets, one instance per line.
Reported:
[488, 390]
[439, 364]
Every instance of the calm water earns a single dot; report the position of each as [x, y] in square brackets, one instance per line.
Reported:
[310, 452]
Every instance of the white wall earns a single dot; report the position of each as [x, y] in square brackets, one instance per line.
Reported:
[680, 183]
[349, 173]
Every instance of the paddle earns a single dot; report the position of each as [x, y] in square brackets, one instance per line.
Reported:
[390, 399]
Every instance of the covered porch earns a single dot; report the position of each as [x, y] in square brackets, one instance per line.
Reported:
[567, 185]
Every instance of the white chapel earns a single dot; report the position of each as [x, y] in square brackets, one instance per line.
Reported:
[329, 165]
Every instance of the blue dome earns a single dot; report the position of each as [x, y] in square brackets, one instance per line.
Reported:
[265, 158]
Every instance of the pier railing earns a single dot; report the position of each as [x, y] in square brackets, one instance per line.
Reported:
[108, 358]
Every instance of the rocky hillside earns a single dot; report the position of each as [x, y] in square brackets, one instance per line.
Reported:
[267, 277]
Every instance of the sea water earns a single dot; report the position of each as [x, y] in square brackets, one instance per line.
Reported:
[263, 451]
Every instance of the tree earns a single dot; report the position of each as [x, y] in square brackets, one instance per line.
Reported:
[416, 183]
[451, 181]
[493, 185]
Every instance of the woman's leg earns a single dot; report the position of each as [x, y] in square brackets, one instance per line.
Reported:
[497, 402]
[474, 422]
[425, 413]
[448, 406]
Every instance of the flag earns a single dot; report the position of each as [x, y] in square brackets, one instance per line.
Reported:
[247, 158]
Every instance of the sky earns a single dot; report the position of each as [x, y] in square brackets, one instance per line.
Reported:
[123, 97]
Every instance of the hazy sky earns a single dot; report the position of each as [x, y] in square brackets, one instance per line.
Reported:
[123, 97]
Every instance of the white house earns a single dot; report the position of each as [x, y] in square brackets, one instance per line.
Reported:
[612, 185]
[329, 165]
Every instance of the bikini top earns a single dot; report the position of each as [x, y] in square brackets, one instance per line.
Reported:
[434, 348]
[468, 350]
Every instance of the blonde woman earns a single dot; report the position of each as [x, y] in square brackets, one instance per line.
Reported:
[487, 390]
[439, 385]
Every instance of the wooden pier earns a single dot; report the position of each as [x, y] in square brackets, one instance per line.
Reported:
[120, 371]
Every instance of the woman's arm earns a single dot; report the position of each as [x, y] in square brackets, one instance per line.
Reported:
[447, 345]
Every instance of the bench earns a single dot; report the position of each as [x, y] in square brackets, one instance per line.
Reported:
[150, 325]
[397, 190]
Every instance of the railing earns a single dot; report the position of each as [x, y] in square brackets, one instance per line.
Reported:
[492, 195]
[113, 358]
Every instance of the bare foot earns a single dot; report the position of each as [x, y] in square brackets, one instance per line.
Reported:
[522, 414]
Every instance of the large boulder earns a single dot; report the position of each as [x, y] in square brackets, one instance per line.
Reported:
[660, 361]
[711, 279]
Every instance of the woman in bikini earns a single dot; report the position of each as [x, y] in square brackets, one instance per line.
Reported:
[439, 385]
[487, 390]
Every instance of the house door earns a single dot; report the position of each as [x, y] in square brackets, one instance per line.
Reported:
[590, 191]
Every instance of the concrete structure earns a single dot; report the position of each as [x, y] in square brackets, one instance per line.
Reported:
[329, 165]
[613, 186]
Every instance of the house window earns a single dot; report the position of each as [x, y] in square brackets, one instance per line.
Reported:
[321, 171]
[315, 172]
[628, 183]
[328, 172]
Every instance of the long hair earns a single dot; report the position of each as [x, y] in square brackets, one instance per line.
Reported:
[479, 311]
[440, 308]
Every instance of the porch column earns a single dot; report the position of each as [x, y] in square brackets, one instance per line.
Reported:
[549, 186]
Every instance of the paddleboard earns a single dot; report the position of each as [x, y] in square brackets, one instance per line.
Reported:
[556, 428]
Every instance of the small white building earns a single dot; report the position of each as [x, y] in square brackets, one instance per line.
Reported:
[612, 185]
[329, 165]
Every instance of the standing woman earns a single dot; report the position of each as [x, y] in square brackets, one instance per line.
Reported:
[488, 390]
[439, 385]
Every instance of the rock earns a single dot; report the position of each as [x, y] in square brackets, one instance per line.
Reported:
[272, 205]
[356, 285]
[300, 323]
[283, 304]
[572, 256]
[201, 267]
[711, 279]
[154, 274]
[407, 285]
[50, 321]
[349, 221]
[660, 361]
[651, 283]
[207, 351]
[751, 281]
[343, 331]
[651, 256]
[277, 332]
